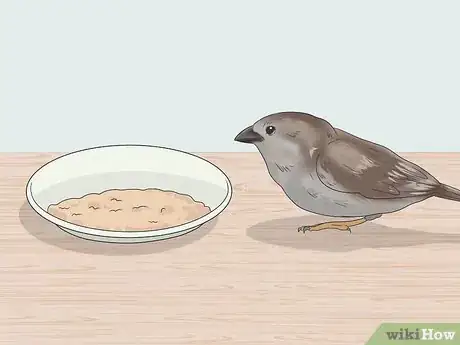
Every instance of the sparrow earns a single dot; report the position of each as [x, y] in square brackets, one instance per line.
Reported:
[327, 171]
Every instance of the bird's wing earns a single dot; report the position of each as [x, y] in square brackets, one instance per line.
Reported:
[352, 165]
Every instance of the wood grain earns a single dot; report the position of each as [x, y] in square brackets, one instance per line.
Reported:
[248, 278]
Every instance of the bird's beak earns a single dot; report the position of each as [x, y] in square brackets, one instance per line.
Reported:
[248, 135]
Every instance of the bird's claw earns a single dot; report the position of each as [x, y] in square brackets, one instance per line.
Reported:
[304, 229]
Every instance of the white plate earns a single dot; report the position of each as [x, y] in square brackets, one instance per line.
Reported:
[128, 166]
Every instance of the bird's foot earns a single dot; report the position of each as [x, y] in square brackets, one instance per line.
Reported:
[340, 226]
[324, 226]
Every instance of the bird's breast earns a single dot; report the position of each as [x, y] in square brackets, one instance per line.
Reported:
[304, 188]
[309, 193]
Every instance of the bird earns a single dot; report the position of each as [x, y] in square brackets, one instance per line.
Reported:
[329, 172]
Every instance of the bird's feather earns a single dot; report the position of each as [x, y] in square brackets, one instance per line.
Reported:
[353, 165]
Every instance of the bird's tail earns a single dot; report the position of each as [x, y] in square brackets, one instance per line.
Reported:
[447, 192]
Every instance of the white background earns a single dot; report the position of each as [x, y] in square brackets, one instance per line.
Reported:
[192, 74]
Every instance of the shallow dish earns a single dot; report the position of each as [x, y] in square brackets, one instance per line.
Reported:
[97, 169]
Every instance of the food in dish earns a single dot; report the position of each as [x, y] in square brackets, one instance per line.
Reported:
[130, 209]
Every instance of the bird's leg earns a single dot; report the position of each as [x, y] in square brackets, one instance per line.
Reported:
[339, 225]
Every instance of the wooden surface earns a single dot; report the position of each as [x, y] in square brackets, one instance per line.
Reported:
[249, 278]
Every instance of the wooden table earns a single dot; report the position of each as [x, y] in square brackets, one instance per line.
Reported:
[248, 278]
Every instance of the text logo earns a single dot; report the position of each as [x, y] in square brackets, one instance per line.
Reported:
[439, 333]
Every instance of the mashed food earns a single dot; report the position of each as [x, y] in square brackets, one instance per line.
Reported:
[130, 209]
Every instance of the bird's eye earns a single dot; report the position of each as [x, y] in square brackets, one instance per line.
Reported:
[270, 130]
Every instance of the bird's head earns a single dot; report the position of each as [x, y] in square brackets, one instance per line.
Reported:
[284, 137]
